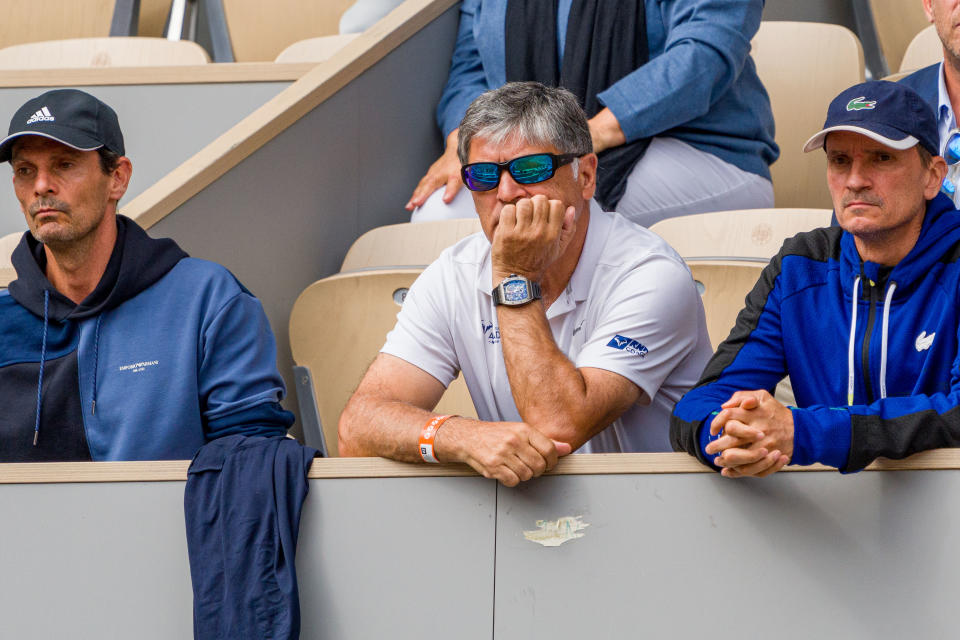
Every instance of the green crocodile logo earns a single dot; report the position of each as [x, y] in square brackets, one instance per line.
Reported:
[859, 103]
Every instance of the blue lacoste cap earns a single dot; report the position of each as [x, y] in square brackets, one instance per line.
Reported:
[69, 116]
[888, 112]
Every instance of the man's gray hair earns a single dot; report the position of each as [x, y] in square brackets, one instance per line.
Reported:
[537, 114]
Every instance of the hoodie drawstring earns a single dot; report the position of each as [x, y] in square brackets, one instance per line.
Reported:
[96, 363]
[43, 358]
[883, 343]
[853, 337]
[888, 299]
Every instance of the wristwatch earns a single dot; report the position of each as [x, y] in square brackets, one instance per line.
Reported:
[515, 290]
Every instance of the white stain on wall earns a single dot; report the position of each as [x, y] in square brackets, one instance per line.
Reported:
[553, 533]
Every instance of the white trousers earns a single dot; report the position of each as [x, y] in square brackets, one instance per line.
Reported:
[672, 179]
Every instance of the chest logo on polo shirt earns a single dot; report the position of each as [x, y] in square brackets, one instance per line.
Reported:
[491, 332]
[924, 341]
[623, 343]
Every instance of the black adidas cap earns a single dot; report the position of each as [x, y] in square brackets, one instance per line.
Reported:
[69, 116]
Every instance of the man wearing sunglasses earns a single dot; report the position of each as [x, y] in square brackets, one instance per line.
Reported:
[864, 317]
[574, 328]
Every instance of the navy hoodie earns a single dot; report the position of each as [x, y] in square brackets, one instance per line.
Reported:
[165, 354]
[872, 353]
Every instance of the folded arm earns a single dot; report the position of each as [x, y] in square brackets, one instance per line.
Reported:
[239, 384]
[707, 45]
[387, 412]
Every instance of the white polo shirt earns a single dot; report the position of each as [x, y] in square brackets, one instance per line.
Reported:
[631, 307]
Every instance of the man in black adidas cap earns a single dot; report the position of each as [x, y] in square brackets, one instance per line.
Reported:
[863, 317]
[115, 345]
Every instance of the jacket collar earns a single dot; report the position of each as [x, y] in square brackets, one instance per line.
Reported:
[137, 261]
[939, 233]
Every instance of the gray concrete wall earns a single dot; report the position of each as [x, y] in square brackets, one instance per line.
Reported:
[798, 555]
[109, 560]
[286, 215]
[163, 125]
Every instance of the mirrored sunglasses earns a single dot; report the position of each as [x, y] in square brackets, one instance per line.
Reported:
[484, 176]
[951, 151]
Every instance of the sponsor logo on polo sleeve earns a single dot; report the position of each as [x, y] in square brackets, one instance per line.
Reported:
[623, 343]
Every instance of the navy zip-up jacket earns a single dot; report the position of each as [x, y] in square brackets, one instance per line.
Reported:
[167, 353]
[873, 361]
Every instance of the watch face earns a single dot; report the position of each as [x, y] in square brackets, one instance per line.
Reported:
[515, 291]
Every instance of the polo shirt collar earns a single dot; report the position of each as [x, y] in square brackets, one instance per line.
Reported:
[597, 232]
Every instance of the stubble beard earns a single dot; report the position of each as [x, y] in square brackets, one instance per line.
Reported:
[63, 234]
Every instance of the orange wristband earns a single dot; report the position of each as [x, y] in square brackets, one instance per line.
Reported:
[427, 435]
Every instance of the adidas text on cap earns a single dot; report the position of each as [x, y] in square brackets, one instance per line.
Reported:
[888, 112]
[69, 116]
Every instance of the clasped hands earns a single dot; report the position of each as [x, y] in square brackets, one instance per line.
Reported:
[530, 235]
[757, 435]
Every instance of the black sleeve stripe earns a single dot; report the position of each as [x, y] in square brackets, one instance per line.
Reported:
[895, 438]
[820, 245]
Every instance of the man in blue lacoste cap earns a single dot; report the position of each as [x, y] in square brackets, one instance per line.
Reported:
[863, 316]
[115, 345]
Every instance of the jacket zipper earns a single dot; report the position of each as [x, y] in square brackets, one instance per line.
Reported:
[865, 353]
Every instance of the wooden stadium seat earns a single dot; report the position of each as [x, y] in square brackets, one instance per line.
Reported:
[102, 52]
[337, 327]
[925, 49]
[803, 66]
[31, 21]
[407, 244]
[896, 23]
[259, 30]
[724, 286]
[152, 18]
[315, 49]
[7, 244]
[748, 233]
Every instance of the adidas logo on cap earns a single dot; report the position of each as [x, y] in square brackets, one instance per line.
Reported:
[43, 115]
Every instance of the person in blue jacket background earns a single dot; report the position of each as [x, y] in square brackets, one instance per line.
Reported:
[115, 345]
[939, 83]
[678, 115]
[864, 317]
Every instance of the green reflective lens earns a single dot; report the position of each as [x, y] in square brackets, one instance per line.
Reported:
[532, 169]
